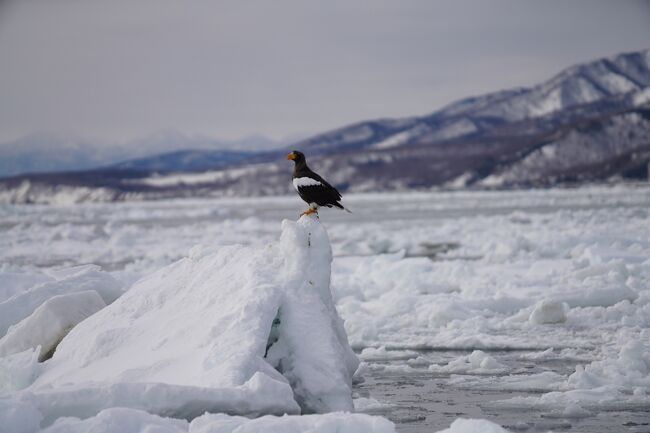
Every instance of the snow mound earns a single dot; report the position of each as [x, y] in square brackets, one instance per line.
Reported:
[548, 311]
[193, 337]
[50, 323]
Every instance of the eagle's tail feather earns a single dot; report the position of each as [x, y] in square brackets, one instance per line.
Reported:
[339, 205]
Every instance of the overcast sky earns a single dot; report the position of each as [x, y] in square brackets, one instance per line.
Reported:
[119, 69]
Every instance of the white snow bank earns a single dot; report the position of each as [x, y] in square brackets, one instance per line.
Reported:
[78, 279]
[50, 322]
[332, 422]
[548, 311]
[192, 337]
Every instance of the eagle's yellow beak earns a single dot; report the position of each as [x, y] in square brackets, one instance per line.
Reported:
[291, 156]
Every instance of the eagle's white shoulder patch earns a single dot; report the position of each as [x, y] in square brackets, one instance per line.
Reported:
[304, 181]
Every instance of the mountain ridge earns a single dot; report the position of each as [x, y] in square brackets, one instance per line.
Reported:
[587, 123]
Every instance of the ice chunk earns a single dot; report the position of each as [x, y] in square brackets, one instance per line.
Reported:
[312, 349]
[613, 382]
[477, 362]
[462, 425]
[259, 395]
[630, 370]
[12, 283]
[192, 337]
[333, 422]
[200, 324]
[50, 323]
[19, 370]
[79, 279]
[575, 411]
[548, 311]
[537, 382]
[365, 404]
[381, 354]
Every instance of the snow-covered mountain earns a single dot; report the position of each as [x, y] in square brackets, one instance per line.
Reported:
[591, 122]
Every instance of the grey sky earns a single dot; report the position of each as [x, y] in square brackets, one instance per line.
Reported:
[117, 69]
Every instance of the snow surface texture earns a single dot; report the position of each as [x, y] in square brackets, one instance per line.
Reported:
[552, 276]
[192, 337]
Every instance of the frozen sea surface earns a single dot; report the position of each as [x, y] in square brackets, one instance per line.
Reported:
[529, 308]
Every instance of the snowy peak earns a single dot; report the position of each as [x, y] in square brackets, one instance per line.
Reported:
[587, 83]
[577, 85]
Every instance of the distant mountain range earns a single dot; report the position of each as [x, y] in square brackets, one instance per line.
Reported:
[589, 123]
[45, 153]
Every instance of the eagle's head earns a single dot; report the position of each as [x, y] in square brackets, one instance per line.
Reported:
[296, 157]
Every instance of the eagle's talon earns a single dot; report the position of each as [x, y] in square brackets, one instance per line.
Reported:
[309, 212]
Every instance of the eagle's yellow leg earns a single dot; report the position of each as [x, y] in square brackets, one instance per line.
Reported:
[309, 212]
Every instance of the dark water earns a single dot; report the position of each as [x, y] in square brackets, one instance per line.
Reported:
[423, 402]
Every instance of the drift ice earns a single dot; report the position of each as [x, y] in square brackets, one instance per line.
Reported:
[194, 337]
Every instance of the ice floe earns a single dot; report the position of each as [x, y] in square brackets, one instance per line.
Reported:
[194, 337]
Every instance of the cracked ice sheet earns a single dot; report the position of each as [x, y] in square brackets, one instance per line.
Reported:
[597, 265]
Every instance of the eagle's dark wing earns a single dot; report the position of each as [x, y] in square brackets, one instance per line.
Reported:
[334, 191]
[315, 189]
